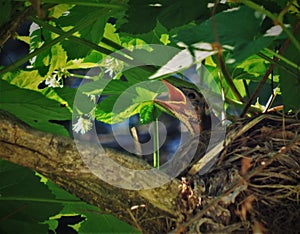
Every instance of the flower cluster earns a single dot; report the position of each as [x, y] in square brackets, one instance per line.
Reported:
[54, 82]
[85, 121]
[112, 66]
[57, 78]
[83, 125]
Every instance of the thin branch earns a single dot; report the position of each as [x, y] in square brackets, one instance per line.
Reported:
[228, 79]
[221, 62]
[258, 88]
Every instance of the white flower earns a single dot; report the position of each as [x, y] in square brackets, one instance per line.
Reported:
[83, 125]
[112, 66]
[51, 81]
[92, 98]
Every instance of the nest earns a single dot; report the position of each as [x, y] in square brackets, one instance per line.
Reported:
[254, 187]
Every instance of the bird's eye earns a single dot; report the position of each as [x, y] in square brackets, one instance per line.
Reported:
[191, 95]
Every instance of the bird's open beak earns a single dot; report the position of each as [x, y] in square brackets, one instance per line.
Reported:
[181, 108]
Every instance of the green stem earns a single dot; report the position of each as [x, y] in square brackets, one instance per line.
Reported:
[291, 37]
[284, 59]
[31, 199]
[275, 19]
[257, 7]
[48, 45]
[84, 41]
[82, 77]
[228, 78]
[100, 49]
[83, 3]
[155, 141]
[278, 64]
[115, 45]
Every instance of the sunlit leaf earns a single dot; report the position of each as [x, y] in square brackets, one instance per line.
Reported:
[252, 68]
[24, 79]
[31, 80]
[184, 59]
[38, 37]
[146, 113]
[59, 10]
[58, 58]
[81, 64]
[126, 99]
[33, 108]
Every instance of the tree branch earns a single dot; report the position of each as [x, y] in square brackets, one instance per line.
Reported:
[58, 159]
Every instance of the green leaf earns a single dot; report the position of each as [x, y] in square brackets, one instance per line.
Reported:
[143, 15]
[157, 55]
[290, 84]
[114, 87]
[184, 60]
[31, 80]
[5, 11]
[95, 220]
[238, 31]
[67, 94]
[93, 57]
[253, 68]
[110, 32]
[153, 36]
[144, 93]
[58, 10]
[38, 37]
[93, 32]
[96, 223]
[25, 202]
[272, 5]
[147, 114]
[24, 79]
[58, 58]
[33, 108]
[53, 224]
[184, 11]
[126, 99]
[83, 103]
[107, 112]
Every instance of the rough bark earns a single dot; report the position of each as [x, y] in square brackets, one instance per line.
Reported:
[58, 159]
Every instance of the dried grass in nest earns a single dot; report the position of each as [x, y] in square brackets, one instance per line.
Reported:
[254, 187]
